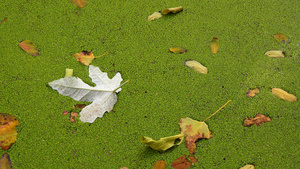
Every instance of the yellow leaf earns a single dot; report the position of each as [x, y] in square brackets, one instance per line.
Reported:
[155, 15]
[69, 72]
[281, 38]
[80, 3]
[173, 10]
[196, 66]
[162, 144]
[275, 54]
[214, 45]
[284, 95]
[5, 162]
[86, 57]
[248, 166]
[177, 50]
[29, 47]
[8, 132]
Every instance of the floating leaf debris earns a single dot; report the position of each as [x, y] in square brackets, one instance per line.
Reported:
[195, 65]
[284, 95]
[214, 45]
[275, 54]
[252, 92]
[155, 15]
[177, 50]
[281, 38]
[173, 10]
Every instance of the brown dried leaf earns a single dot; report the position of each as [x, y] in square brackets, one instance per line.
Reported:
[258, 120]
[161, 164]
[284, 95]
[73, 117]
[194, 130]
[183, 163]
[214, 45]
[177, 50]
[5, 162]
[173, 10]
[80, 106]
[86, 57]
[3, 21]
[29, 47]
[155, 15]
[281, 38]
[80, 3]
[252, 92]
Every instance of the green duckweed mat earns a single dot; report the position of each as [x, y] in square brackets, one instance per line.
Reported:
[161, 89]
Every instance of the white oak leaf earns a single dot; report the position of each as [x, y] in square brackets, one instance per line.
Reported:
[103, 95]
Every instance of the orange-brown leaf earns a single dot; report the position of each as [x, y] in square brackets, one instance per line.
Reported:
[5, 162]
[4, 20]
[161, 164]
[29, 47]
[252, 92]
[73, 116]
[281, 38]
[8, 132]
[214, 45]
[194, 130]
[183, 163]
[258, 120]
[80, 3]
[86, 57]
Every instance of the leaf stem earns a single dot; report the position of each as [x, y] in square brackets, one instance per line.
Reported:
[217, 110]
[120, 86]
[101, 55]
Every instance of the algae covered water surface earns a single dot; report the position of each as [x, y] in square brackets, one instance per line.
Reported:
[161, 88]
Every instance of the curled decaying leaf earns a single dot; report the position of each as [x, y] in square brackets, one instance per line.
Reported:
[284, 95]
[177, 50]
[80, 3]
[155, 15]
[196, 66]
[258, 120]
[173, 10]
[248, 166]
[183, 163]
[86, 57]
[214, 45]
[194, 130]
[29, 47]
[161, 164]
[162, 144]
[275, 54]
[252, 92]
[281, 38]
[8, 132]
[5, 162]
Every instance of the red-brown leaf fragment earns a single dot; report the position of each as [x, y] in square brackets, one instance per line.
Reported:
[183, 163]
[161, 164]
[258, 120]
[29, 47]
[5, 162]
[4, 20]
[8, 132]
